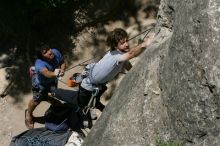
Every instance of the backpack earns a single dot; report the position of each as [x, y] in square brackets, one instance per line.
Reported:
[56, 118]
[62, 118]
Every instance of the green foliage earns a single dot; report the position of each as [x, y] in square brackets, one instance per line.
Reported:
[25, 23]
[160, 142]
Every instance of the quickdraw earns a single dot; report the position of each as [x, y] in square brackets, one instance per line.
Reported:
[92, 101]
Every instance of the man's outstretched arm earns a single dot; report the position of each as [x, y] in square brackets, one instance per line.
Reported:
[137, 50]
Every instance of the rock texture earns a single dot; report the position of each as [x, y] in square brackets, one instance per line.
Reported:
[172, 93]
[190, 75]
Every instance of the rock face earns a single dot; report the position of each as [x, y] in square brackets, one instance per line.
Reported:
[172, 93]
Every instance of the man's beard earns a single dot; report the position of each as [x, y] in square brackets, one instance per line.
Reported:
[126, 50]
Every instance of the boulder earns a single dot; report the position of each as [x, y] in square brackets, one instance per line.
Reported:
[172, 93]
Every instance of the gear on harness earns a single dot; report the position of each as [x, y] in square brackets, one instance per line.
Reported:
[75, 80]
[88, 114]
[92, 101]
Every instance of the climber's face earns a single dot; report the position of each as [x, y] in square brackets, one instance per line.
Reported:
[123, 45]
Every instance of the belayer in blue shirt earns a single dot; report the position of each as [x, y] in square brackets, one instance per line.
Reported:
[48, 66]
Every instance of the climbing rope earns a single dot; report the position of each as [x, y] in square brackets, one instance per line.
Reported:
[6, 91]
[147, 31]
[37, 141]
[82, 63]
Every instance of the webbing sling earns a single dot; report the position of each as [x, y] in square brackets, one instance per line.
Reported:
[92, 100]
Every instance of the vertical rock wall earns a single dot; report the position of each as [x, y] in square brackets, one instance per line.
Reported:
[172, 93]
[190, 76]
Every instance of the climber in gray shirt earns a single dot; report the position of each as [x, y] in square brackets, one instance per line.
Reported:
[105, 70]
[109, 66]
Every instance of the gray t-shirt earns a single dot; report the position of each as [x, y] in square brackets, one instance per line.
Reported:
[104, 70]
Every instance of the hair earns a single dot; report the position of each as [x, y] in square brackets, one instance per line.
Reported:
[40, 48]
[115, 36]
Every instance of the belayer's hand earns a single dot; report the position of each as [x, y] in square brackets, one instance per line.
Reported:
[61, 74]
[56, 72]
